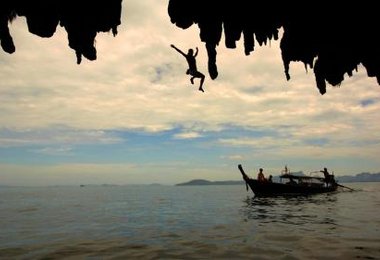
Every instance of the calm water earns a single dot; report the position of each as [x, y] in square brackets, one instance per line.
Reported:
[194, 222]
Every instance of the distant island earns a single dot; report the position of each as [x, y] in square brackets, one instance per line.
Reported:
[206, 182]
[361, 177]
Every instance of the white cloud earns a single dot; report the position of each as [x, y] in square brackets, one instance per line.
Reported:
[234, 157]
[55, 151]
[58, 135]
[187, 135]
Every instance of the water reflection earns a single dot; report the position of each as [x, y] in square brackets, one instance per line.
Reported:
[299, 210]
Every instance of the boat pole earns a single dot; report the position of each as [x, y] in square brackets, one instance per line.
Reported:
[340, 185]
[245, 177]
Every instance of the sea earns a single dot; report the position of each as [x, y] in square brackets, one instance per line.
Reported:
[187, 222]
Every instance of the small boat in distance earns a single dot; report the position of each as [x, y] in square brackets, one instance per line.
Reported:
[290, 184]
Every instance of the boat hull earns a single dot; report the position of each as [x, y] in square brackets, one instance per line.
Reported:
[272, 189]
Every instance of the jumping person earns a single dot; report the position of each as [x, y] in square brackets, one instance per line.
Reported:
[192, 70]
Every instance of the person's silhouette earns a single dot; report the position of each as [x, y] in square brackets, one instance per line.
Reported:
[192, 70]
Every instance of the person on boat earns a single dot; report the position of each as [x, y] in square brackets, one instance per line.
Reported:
[270, 178]
[192, 70]
[325, 173]
[285, 171]
[329, 178]
[260, 175]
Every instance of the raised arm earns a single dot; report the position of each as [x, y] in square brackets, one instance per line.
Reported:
[172, 45]
[196, 52]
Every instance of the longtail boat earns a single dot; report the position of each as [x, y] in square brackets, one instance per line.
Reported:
[290, 184]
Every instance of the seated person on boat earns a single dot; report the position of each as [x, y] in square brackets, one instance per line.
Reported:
[260, 175]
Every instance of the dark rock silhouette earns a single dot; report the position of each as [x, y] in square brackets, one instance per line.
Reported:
[81, 19]
[330, 40]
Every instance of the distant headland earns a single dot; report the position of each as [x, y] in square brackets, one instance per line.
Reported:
[206, 182]
[361, 177]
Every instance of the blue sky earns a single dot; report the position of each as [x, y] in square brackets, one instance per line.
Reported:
[132, 116]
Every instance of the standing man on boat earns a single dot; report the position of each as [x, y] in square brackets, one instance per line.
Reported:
[329, 178]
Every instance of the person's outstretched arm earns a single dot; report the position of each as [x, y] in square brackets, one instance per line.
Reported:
[196, 52]
[172, 45]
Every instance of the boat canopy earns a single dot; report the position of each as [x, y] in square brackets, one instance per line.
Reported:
[297, 177]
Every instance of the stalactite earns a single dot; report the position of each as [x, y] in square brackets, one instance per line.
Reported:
[330, 40]
[81, 19]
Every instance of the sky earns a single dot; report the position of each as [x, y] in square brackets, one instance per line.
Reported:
[132, 116]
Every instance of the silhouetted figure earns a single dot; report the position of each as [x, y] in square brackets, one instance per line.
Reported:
[192, 70]
[270, 179]
[260, 175]
[329, 178]
[286, 170]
